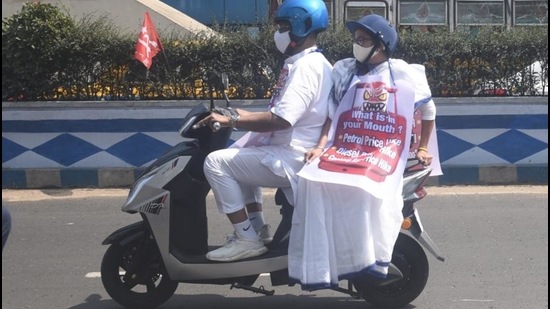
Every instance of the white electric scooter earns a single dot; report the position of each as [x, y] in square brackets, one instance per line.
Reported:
[147, 260]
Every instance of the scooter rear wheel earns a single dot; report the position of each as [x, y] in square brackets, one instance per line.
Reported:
[411, 260]
[134, 275]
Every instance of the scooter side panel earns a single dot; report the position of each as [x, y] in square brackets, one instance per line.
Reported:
[149, 197]
[216, 270]
[188, 220]
[150, 186]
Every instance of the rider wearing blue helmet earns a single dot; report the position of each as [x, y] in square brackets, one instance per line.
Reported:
[281, 136]
[296, 19]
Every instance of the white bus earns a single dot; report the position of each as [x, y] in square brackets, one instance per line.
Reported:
[451, 14]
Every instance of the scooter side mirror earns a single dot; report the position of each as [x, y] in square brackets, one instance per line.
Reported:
[219, 82]
[216, 80]
[225, 81]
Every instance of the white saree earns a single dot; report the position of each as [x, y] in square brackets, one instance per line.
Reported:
[347, 213]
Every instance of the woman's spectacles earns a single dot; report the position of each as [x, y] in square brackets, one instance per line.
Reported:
[362, 40]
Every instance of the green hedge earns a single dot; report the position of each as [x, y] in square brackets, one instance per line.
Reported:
[49, 55]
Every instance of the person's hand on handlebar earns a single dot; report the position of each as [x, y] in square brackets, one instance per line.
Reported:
[215, 121]
[218, 118]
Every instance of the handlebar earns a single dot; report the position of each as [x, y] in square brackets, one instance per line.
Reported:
[216, 81]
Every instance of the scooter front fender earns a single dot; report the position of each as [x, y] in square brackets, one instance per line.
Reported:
[418, 233]
[126, 234]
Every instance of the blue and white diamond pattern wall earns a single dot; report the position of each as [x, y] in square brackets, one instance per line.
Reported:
[541, 135]
[475, 156]
[66, 149]
[138, 149]
[30, 140]
[539, 158]
[106, 159]
[476, 136]
[31, 159]
[482, 134]
[103, 140]
[170, 138]
[513, 145]
[450, 146]
[11, 150]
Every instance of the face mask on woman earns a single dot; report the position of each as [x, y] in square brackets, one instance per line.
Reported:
[361, 53]
[282, 40]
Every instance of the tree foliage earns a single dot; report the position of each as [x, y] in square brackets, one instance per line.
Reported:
[31, 41]
[49, 55]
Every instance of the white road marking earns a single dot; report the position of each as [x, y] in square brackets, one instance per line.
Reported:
[94, 274]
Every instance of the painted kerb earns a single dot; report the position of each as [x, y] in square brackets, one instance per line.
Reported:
[107, 145]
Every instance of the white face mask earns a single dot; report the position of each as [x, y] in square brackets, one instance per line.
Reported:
[282, 40]
[361, 53]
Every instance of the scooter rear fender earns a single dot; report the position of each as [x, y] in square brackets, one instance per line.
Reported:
[126, 234]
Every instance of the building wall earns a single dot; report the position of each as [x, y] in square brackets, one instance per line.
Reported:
[500, 140]
[127, 14]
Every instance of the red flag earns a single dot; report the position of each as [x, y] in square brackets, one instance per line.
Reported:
[148, 44]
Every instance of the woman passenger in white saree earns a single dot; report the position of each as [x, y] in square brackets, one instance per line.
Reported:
[348, 204]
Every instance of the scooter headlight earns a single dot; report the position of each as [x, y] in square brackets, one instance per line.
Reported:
[137, 187]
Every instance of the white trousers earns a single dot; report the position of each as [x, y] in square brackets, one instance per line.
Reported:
[236, 176]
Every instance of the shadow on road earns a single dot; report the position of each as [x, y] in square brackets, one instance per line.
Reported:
[213, 301]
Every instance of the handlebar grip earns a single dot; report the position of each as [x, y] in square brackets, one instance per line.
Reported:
[216, 126]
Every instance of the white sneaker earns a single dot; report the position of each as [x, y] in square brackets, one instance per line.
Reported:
[265, 234]
[237, 248]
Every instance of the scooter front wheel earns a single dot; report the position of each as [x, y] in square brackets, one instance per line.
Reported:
[134, 275]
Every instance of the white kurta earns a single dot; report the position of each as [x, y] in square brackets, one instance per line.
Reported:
[346, 222]
[301, 98]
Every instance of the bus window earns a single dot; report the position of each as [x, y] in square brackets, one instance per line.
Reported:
[530, 12]
[422, 12]
[354, 10]
[480, 13]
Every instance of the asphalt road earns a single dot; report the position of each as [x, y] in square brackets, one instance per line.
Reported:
[495, 240]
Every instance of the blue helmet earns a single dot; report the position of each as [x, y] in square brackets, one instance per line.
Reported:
[379, 27]
[304, 16]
